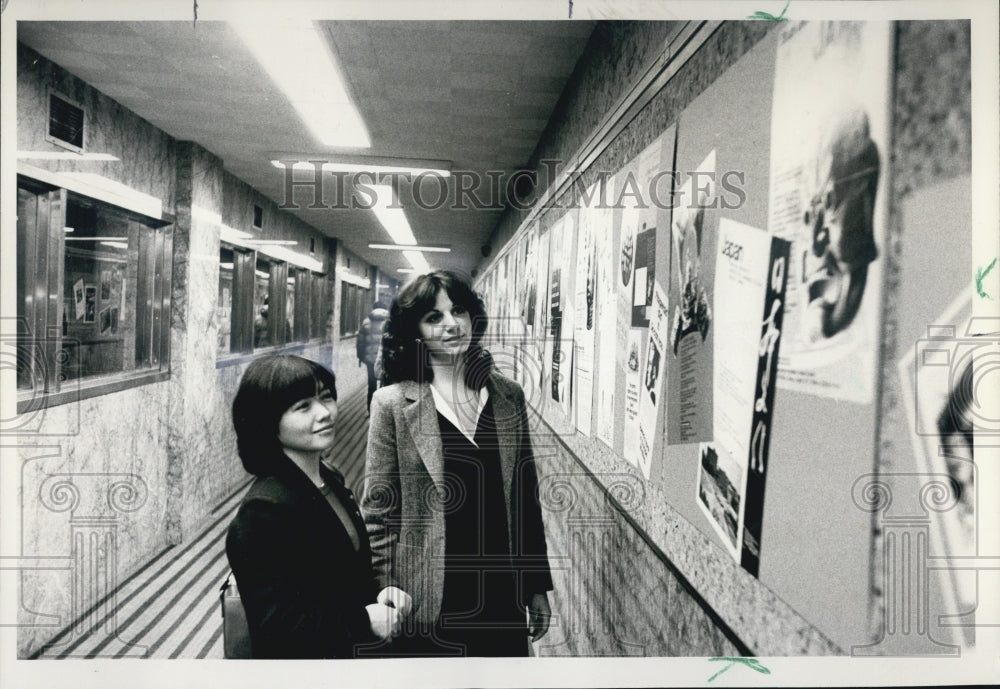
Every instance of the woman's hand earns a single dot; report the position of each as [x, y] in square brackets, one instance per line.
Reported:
[396, 598]
[539, 614]
[384, 620]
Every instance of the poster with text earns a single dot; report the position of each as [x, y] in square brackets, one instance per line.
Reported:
[642, 191]
[585, 325]
[560, 313]
[607, 314]
[692, 265]
[517, 325]
[651, 393]
[633, 387]
[536, 346]
[828, 197]
[750, 278]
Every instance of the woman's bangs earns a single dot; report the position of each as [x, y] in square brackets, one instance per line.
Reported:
[295, 381]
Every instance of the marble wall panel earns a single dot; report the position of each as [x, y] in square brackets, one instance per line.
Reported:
[144, 155]
[603, 607]
[96, 468]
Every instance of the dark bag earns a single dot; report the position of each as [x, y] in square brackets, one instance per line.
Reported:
[235, 630]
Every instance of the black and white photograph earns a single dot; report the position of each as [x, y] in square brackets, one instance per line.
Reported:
[720, 493]
[433, 344]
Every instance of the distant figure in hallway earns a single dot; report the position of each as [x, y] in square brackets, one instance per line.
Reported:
[450, 480]
[298, 546]
[369, 342]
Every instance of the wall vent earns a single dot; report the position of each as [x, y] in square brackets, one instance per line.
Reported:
[66, 122]
[258, 216]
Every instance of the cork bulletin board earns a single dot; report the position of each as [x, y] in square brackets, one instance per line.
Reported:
[815, 530]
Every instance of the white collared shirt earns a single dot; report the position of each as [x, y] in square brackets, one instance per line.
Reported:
[446, 410]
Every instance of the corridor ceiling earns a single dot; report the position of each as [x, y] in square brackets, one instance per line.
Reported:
[477, 94]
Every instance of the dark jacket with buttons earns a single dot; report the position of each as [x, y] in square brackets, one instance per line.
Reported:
[304, 586]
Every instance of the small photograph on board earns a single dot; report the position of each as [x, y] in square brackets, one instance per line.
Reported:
[627, 254]
[720, 481]
[90, 303]
[105, 320]
[78, 302]
[652, 370]
[105, 285]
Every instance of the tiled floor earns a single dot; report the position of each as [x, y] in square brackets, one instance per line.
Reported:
[170, 607]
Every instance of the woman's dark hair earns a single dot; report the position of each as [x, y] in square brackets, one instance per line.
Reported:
[404, 356]
[269, 387]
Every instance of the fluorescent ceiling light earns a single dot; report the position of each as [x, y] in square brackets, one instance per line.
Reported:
[414, 247]
[226, 266]
[116, 245]
[294, 52]
[65, 155]
[67, 230]
[404, 270]
[234, 236]
[94, 239]
[381, 167]
[418, 261]
[355, 280]
[98, 187]
[391, 215]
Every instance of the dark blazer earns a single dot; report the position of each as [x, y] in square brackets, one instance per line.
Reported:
[304, 587]
[405, 487]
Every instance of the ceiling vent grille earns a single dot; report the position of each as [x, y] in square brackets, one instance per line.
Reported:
[66, 122]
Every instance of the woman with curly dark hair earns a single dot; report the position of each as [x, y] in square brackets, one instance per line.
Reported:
[451, 503]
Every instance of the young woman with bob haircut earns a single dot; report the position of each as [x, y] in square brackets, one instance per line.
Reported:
[297, 545]
[450, 500]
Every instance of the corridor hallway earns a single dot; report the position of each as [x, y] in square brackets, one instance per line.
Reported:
[728, 263]
[170, 607]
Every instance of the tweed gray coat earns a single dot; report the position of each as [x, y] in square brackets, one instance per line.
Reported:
[405, 490]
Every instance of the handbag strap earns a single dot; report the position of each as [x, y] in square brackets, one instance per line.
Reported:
[226, 584]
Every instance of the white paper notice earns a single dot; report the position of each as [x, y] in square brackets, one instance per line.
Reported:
[740, 283]
[653, 374]
[829, 154]
[633, 386]
[608, 333]
[586, 303]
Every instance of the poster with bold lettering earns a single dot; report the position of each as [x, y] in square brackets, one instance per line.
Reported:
[534, 346]
[607, 313]
[828, 196]
[586, 306]
[651, 393]
[561, 316]
[750, 278]
[642, 192]
[692, 266]
[633, 386]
